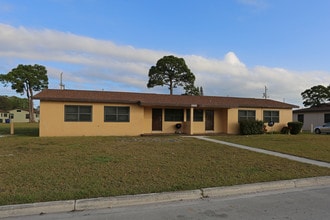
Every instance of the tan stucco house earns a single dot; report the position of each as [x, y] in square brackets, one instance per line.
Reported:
[313, 116]
[102, 113]
[17, 115]
[4, 116]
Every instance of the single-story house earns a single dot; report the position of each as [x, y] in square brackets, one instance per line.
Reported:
[102, 113]
[17, 115]
[313, 116]
[4, 116]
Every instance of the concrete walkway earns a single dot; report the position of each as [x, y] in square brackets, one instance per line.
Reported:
[290, 157]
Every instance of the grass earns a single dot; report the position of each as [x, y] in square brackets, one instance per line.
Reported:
[21, 129]
[34, 169]
[310, 146]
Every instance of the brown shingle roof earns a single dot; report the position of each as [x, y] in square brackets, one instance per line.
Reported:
[161, 100]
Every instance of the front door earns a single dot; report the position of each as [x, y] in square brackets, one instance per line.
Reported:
[157, 119]
[209, 120]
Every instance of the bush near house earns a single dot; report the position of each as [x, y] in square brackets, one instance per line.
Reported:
[295, 127]
[249, 127]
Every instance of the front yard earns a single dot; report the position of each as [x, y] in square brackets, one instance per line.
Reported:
[34, 169]
[312, 146]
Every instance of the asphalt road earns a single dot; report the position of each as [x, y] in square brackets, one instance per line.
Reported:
[300, 203]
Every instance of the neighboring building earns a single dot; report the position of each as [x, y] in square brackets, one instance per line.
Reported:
[313, 116]
[101, 113]
[4, 116]
[16, 115]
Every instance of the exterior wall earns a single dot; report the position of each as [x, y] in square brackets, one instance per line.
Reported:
[311, 119]
[220, 121]
[225, 121]
[233, 125]
[18, 115]
[198, 127]
[285, 117]
[147, 122]
[52, 121]
[3, 116]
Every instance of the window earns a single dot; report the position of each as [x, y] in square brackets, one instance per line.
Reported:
[18, 110]
[246, 115]
[301, 118]
[116, 114]
[271, 116]
[198, 115]
[27, 116]
[326, 118]
[77, 113]
[173, 114]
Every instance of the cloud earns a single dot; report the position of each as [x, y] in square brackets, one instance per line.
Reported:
[89, 63]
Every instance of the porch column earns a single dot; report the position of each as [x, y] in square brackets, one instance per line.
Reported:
[192, 106]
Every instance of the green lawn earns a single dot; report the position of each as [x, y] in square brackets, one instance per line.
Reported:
[311, 146]
[21, 129]
[34, 169]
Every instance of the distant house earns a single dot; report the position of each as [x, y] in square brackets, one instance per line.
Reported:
[313, 116]
[16, 115]
[4, 116]
[100, 113]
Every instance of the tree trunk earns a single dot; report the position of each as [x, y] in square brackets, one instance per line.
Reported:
[171, 87]
[31, 112]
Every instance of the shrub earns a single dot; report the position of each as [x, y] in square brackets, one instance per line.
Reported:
[285, 130]
[249, 127]
[295, 127]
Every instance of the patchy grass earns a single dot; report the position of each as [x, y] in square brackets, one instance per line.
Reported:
[34, 169]
[310, 146]
[25, 129]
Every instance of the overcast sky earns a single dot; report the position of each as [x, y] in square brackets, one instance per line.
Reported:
[234, 47]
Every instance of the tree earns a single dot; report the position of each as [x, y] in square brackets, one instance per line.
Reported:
[192, 90]
[316, 95]
[26, 79]
[13, 102]
[171, 71]
[4, 103]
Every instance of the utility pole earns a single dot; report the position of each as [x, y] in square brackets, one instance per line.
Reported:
[265, 94]
[62, 86]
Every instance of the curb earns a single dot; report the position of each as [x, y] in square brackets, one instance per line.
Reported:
[141, 199]
[118, 201]
[36, 208]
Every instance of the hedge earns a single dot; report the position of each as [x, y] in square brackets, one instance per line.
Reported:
[295, 127]
[249, 127]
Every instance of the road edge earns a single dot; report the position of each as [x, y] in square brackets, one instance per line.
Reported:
[129, 200]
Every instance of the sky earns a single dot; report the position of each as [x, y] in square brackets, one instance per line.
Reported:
[234, 47]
